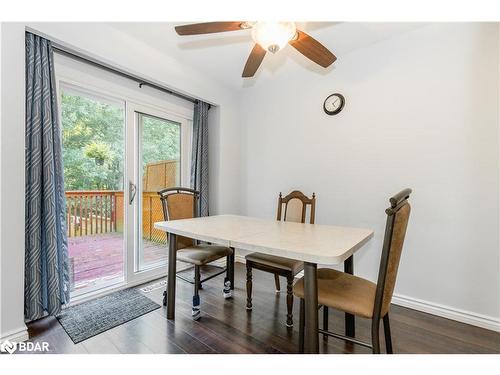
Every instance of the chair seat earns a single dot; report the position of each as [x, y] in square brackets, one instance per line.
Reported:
[343, 292]
[286, 264]
[200, 255]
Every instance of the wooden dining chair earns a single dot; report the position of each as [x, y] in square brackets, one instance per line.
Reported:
[181, 203]
[295, 206]
[357, 296]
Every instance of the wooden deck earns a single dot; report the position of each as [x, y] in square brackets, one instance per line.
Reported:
[226, 327]
[100, 257]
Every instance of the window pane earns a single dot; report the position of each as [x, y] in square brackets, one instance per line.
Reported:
[93, 156]
[160, 161]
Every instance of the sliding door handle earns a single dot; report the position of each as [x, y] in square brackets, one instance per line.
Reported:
[131, 191]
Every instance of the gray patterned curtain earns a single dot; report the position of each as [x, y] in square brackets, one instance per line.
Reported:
[199, 160]
[46, 280]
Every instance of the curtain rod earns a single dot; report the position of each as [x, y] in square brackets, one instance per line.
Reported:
[142, 82]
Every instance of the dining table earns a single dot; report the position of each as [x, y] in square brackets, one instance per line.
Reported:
[314, 244]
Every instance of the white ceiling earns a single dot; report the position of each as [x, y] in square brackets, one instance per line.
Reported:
[223, 55]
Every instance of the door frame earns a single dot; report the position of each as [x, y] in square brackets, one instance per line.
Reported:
[84, 80]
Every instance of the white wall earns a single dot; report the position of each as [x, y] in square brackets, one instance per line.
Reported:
[421, 112]
[112, 46]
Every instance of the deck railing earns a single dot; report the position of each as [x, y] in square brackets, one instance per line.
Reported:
[101, 211]
[91, 212]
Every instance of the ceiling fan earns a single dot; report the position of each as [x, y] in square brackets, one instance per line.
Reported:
[268, 36]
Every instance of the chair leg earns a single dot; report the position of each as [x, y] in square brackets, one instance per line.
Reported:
[302, 324]
[228, 267]
[289, 301]
[195, 311]
[249, 286]
[227, 291]
[375, 336]
[277, 282]
[387, 334]
[231, 263]
[228, 288]
[200, 287]
[325, 321]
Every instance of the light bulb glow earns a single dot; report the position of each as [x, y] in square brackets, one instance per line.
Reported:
[273, 36]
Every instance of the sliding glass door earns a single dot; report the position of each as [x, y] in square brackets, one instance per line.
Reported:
[117, 155]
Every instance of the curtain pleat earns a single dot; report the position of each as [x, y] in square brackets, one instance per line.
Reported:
[199, 160]
[46, 259]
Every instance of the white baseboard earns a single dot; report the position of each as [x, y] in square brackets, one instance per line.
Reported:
[448, 312]
[17, 335]
[240, 259]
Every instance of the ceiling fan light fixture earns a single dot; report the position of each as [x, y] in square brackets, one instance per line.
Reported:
[273, 36]
[268, 37]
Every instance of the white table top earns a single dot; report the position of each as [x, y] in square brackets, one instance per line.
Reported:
[314, 243]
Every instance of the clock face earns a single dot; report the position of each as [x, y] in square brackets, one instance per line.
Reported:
[334, 104]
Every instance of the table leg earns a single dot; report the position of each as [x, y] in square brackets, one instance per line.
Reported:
[349, 318]
[172, 271]
[311, 341]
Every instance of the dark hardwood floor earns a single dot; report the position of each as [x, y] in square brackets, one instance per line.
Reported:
[226, 327]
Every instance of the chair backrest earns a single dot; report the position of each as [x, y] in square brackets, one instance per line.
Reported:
[295, 205]
[179, 203]
[395, 230]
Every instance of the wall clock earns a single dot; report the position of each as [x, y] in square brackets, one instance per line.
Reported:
[334, 104]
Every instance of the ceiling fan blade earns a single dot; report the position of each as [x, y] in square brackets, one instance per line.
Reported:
[208, 27]
[312, 49]
[254, 61]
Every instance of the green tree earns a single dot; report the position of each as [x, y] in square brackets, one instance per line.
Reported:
[93, 143]
[160, 140]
